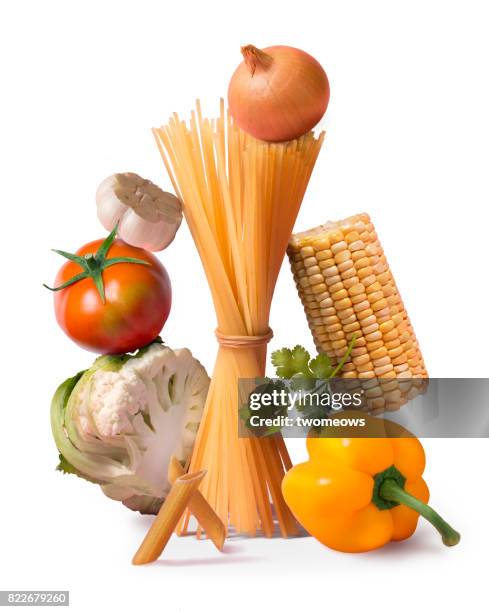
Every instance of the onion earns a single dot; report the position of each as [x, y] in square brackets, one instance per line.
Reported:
[278, 93]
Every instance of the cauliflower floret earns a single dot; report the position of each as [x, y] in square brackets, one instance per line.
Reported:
[115, 397]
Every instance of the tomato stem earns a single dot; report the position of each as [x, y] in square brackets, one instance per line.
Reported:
[94, 264]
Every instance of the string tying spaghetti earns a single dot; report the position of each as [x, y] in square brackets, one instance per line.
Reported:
[243, 342]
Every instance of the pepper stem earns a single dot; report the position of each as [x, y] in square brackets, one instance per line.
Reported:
[391, 491]
[254, 57]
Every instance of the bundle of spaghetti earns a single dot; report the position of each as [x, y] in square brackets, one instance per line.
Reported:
[240, 197]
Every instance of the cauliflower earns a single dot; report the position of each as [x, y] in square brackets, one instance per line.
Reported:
[118, 423]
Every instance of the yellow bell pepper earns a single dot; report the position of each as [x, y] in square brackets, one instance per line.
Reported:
[357, 494]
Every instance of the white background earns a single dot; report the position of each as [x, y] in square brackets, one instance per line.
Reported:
[407, 141]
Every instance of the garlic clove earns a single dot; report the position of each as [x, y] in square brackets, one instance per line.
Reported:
[109, 207]
[152, 236]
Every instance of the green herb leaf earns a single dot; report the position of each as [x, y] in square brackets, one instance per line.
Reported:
[297, 363]
[282, 360]
[300, 360]
[289, 362]
[321, 366]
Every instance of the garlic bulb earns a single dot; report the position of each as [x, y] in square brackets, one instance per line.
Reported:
[148, 217]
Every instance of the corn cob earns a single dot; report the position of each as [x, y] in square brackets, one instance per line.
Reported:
[347, 288]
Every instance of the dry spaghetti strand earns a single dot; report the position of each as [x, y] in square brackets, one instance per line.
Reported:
[240, 197]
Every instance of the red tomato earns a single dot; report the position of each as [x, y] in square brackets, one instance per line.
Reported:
[137, 301]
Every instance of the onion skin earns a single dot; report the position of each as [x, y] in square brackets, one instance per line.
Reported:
[277, 93]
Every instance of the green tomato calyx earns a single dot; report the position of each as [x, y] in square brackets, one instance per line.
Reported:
[93, 264]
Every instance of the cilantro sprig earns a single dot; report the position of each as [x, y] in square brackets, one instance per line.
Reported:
[297, 363]
[295, 371]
